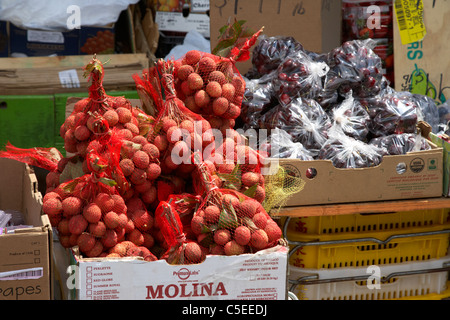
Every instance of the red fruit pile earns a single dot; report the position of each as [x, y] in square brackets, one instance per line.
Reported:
[103, 198]
[211, 86]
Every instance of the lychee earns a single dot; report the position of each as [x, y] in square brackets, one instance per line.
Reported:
[161, 142]
[141, 159]
[242, 235]
[138, 176]
[233, 111]
[96, 250]
[109, 239]
[194, 81]
[151, 150]
[119, 203]
[222, 236]
[184, 71]
[111, 219]
[218, 76]
[124, 114]
[220, 106]
[52, 206]
[149, 241]
[133, 128]
[189, 102]
[136, 237]
[63, 227]
[212, 214]
[206, 65]
[127, 166]
[150, 195]
[111, 117]
[233, 248]
[250, 178]
[192, 57]
[217, 250]
[153, 171]
[77, 224]
[81, 133]
[85, 242]
[273, 231]
[197, 224]
[185, 88]
[225, 167]
[230, 199]
[201, 98]
[92, 213]
[228, 91]
[260, 194]
[142, 220]
[248, 208]
[72, 206]
[259, 239]
[260, 220]
[214, 89]
[168, 123]
[97, 229]
[193, 252]
[104, 201]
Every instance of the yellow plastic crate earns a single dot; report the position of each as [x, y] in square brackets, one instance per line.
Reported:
[368, 222]
[367, 248]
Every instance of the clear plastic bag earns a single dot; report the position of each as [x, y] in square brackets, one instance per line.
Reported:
[270, 52]
[346, 152]
[396, 112]
[352, 118]
[259, 97]
[304, 119]
[281, 145]
[354, 66]
[299, 76]
[396, 144]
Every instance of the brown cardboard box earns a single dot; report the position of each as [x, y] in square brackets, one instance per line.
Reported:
[422, 178]
[423, 66]
[27, 251]
[315, 24]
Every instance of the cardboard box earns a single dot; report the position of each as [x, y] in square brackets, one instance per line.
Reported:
[315, 24]
[446, 150]
[183, 16]
[27, 42]
[26, 254]
[261, 276]
[413, 175]
[50, 75]
[422, 66]
[99, 40]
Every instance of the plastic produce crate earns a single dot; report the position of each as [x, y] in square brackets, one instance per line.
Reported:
[395, 281]
[363, 248]
[368, 222]
[444, 295]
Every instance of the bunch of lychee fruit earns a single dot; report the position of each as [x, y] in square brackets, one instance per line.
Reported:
[210, 85]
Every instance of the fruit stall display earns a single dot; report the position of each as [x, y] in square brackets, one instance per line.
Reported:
[175, 181]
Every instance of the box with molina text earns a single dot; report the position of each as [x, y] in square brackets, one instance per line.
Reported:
[258, 276]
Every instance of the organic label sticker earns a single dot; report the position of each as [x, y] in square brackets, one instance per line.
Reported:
[410, 20]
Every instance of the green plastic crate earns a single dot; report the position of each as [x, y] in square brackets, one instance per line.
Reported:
[27, 121]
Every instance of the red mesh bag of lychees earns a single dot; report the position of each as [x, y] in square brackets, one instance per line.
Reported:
[211, 85]
[177, 131]
[228, 222]
[180, 250]
[87, 120]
